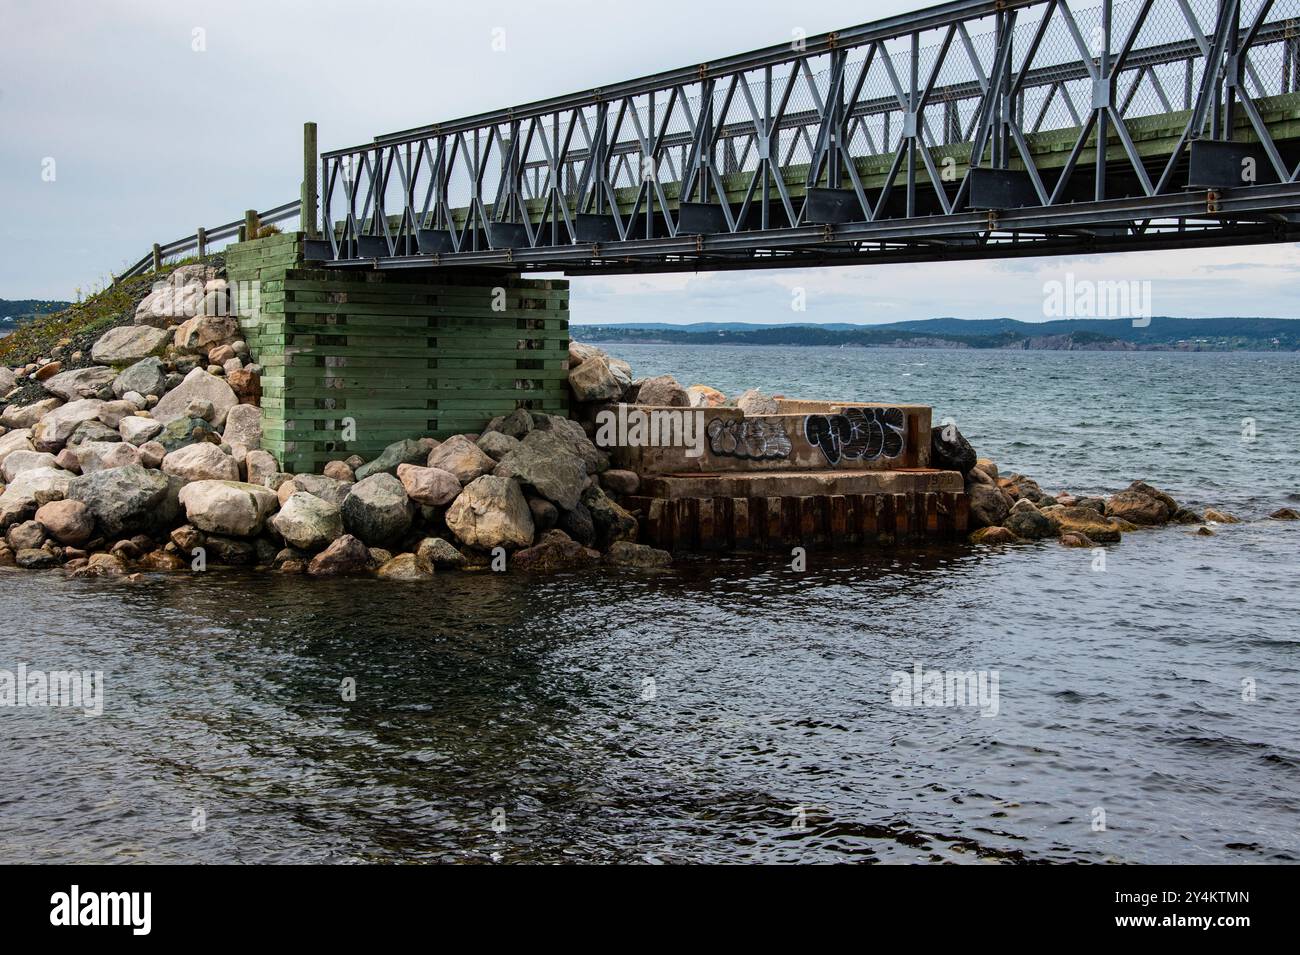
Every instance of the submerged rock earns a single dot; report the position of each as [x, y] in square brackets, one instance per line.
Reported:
[1214, 516]
[408, 568]
[994, 535]
[1138, 508]
[1085, 521]
[555, 552]
[440, 553]
[1027, 522]
[35, 558]
[345, 556]
[628, 554]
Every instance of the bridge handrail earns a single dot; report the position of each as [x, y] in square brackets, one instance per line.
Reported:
[228, 230]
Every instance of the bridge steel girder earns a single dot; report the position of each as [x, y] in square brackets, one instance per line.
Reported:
[774, 158]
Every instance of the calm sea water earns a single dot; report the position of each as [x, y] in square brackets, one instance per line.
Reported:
[728, 710]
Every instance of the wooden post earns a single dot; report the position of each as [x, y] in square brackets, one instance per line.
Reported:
[202, 233]
[157, 257]
[309, 184]
[250, 224]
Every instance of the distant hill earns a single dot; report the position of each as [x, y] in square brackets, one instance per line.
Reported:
[13, 312]
[1161, 334]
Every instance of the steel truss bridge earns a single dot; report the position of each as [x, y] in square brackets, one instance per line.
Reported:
[979, 128]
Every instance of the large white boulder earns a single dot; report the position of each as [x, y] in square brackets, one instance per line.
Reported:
[230, 508]
[101, 455]
[307, 522]
[491, 512]
[128, 344]
[244, 427]
[92, 382]
[201, 462]
[52, 431]
[197, 386]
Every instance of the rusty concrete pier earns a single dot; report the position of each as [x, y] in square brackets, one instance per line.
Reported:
[813, 473]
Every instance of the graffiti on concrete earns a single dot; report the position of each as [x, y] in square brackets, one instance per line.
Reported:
[858, 434]
[750, 439]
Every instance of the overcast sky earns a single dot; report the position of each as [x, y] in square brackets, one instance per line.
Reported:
[150, 138]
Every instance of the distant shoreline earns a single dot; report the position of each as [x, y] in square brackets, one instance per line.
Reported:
[1155, 334]
[947, 346]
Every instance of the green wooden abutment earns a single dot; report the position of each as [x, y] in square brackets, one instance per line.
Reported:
[354, 361]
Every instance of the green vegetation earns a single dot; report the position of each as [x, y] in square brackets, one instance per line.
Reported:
[34, 339]
[84, 321]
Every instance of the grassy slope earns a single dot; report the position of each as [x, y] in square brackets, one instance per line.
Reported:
[84, 322]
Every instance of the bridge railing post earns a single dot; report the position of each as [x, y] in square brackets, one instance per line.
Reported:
[201, 234]
[307, 217]
[157, 257]
[250, 224]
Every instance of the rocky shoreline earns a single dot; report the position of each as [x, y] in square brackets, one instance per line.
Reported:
[141, 451]
[1013, 508]
[145, 455]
